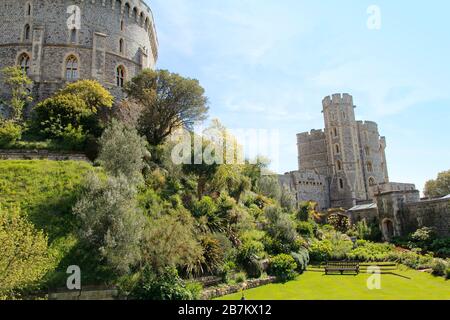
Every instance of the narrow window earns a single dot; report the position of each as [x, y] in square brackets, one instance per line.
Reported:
[26, 32]
[120, 76]
[121, 25]
[72, 68]
[73, 35]
[339, 165]
[121, 47]
[341, 183]
[369, 167]
[367, 151]
[337, 149]
[24, 62]
[335, 132]
[29, 9]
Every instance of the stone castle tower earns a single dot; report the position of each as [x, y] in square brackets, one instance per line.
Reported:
[344, 164]
[58, 41]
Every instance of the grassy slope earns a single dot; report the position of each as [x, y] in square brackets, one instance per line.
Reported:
[317, 286]
[46, 192]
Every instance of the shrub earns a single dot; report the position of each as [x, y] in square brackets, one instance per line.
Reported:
[111, 224]
[320, 251]
[281, 228]
[122, 151]
[447, 273]
[195, 289]
[305, 229]
[73, 138]
[253, 268]
[369, 251]
[53, 115]
[301, 259]
[283, 267]
[439, 267]
[240, 277]
[9, 133]
[24, 257]
[226, 270]
[441, 247]
[165, 286]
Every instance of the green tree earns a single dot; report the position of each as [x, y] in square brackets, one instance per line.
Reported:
[16, 82]
[111, 223]
[439, 187]
[52, 116]
[24, 257]
[169, 102]
[122, 152]
[96, 97]
[78, 105]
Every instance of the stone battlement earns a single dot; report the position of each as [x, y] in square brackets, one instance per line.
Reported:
[368, 125]
[318, 134]
[337, 99]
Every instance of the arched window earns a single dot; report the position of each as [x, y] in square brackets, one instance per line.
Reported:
[72, 68]
[369, 167]
[341, 184]
[337, 149]
[24, 62]
[122, 26]
[339, 165]
[372, 182]
[135, 14]
[127, 9]
[26, 32]
[120, 76]
[73, 35]
[141, 19]
[146, 24]
[121, 46]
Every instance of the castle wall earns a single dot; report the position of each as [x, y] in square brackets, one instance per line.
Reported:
[307, 185]
[104, 23]
[313, 153]
[433, 213]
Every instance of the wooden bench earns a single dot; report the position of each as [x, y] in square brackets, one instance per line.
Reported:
[342, 267]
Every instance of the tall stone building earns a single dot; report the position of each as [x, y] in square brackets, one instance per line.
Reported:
[59, 41]
[344, 164]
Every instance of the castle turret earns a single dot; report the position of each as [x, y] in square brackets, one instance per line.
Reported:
[341, 131]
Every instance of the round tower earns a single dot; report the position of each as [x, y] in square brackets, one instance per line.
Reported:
[59, 41]
[347, 184]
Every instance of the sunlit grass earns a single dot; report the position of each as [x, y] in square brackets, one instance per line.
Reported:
[403, 284]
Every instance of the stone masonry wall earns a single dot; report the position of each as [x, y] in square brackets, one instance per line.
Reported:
[104, 23]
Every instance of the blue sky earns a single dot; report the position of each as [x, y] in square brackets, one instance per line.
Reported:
[267, 64]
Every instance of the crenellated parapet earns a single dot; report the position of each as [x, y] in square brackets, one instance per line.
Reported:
[337, 99]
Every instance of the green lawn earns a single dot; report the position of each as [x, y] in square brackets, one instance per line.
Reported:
[317, 286]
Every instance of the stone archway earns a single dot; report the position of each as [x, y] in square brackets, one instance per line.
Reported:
[388, 229]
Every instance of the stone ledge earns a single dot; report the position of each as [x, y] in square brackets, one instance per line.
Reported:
[223, 291]
[42, 155]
